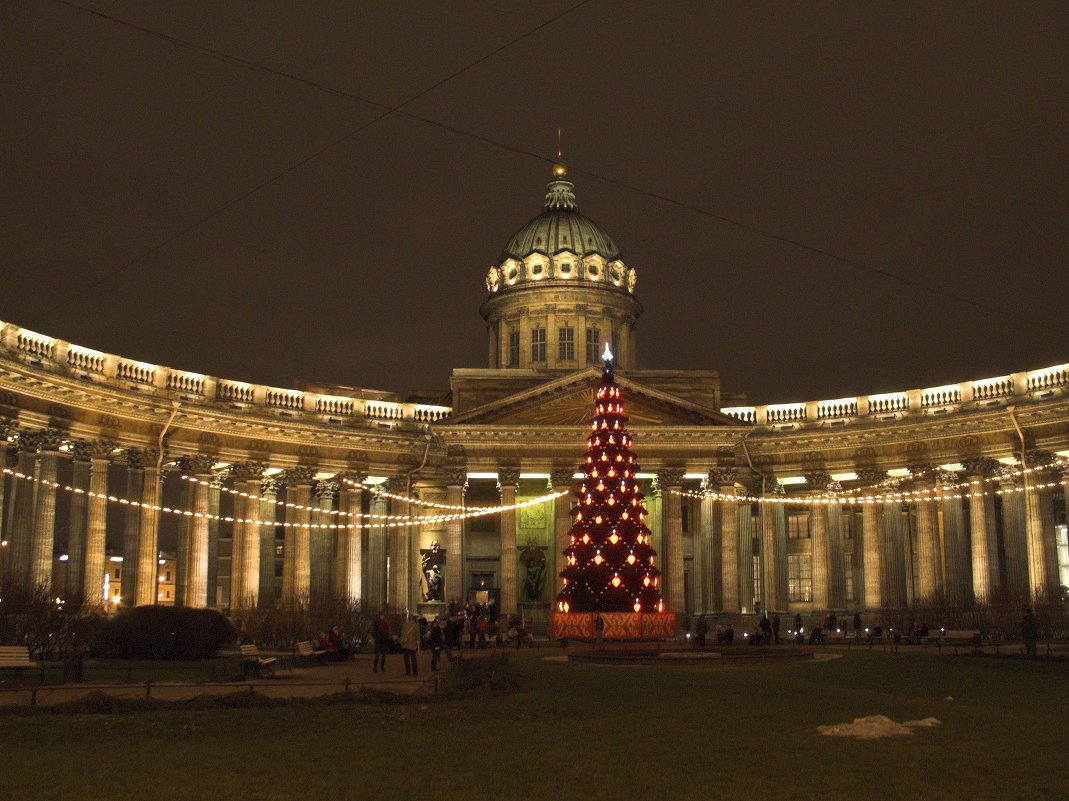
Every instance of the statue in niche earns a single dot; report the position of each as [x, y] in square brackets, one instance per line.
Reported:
[432, 565]
[533, 559]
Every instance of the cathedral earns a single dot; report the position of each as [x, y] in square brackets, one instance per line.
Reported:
[130, 483]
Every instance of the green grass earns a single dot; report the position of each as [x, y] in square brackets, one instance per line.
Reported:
[587, 732]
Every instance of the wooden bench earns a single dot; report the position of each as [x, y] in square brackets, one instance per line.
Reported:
[305, 651]
[15, 657]
[253, 663]
[961, 637]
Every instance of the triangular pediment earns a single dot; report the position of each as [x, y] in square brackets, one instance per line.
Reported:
[569, 400]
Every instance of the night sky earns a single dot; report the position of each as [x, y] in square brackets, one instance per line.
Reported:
[927, 140]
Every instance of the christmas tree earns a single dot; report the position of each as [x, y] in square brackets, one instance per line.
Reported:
[609, 561]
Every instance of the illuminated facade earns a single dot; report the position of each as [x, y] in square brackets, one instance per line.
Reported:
[273, 496]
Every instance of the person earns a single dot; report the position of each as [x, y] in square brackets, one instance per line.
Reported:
[775, 627]
[337, 642]
[599, 631]
[729, 634]
[410, 644]
[470, 625]
[380, 632]
[1029, 632]
[482, 626]
[454, 608]
[325, 647]
[766, 630]
[701, 629]
[797, 623]
[434, 640]
[857, 623]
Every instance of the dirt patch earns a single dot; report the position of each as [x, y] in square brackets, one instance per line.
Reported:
[874, 727]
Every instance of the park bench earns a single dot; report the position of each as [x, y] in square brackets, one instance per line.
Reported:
[254, 664]
[15, 657]
[306, 652]
[961, 637]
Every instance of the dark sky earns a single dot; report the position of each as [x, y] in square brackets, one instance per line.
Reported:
[930, 140]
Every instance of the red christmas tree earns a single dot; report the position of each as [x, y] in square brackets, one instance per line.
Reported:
[609, 561]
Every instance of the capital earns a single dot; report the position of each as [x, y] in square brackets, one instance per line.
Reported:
[817, 479]
[247, 471]
[670, 477]
[723, 476]
[456, 476]
[199, 464]
[301, 474]
[561, 477]
[508, 477]
[979, 466]
[327, 489]
[135, 458]
[270, 486]
[948, 480]
[871, 475]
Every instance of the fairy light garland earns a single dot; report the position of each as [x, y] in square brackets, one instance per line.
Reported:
[397, 523]
[380, 492]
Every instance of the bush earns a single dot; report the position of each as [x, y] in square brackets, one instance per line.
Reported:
[162, 632]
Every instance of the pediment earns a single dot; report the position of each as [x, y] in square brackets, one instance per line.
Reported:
[569, 401]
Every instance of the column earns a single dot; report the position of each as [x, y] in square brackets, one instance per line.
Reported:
[295, 552]
[319, 544]
[44, 511]
[928, 568]
[430, 533]
[744, 550]
[185, 531]
[397, 569]
[96, 522]
[1042, 550]
[20, 521]
[76, 531]
[196, 579]
[894, 557]
[7, 428]
[147, 588]
[508, 478]
[376, 555]
[708, 551]
[774, 548]
[560, 479]
[456, 481]
[871, 543]
[671, 482]
[728, 519]
[982, 533]
[246, 546]
[957, 559]
[215, 493]
[347, 577]
[818, 531]
[135, 476]
[1014, 536]
[269, 488]
[836, 560]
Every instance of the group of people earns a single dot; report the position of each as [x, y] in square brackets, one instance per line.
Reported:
[472, 623]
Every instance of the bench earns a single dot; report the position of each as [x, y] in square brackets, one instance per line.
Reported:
[254, 664]
[306, 652]
[956, 637]
[15, 657]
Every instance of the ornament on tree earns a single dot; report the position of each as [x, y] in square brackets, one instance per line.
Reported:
[609, 563]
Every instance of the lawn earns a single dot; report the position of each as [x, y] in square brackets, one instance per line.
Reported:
[588, 732]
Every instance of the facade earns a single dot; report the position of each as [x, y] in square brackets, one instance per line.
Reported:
[273, 497]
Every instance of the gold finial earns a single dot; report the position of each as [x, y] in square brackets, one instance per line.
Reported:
[560, 172]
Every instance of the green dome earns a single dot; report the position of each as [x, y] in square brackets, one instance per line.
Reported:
[560, 227]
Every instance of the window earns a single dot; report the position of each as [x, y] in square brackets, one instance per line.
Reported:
[847, 528]
[593, 344]
[566, 344]
[538, 344]
[514, 348]
[798, 526]
[756, 578]
[1062, 538]
[799, 577]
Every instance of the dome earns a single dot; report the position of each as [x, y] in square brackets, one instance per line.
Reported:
[560, 227]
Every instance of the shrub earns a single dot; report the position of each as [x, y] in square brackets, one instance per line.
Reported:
[163, 632]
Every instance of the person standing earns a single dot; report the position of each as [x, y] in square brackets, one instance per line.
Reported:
[434, 639]
[599, 631]
[410, 645]
[1029, 632]
[380, 633]
[775, 627]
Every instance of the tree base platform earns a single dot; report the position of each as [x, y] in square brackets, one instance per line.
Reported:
[628, 626]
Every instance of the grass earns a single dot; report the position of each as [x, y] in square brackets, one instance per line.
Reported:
[551, 730]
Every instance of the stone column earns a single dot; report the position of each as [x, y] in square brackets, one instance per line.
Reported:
[774, 548]
[76, 531]
[928, 568]
[246, 547]
[1014, 536]
[20, 521]
[398, 576]
[894, 555]
[818, 531]
[1042, 550]
[508, 479]
[196, 594]
[147, 588]
[377, 537]
[319, 573]
[185, 532]
[871, 543]
[560, 479]
[350, 556]
[96, 524]
[456, 481]
[836, 558]
[708, 560]
[44, 511]
[296, 554]
[723, 479]
[269, 487]
[982, 532]
[956, 552]
[433, 531]
[745, 554]
[215, 493]
[671, 482]
[131, 535]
